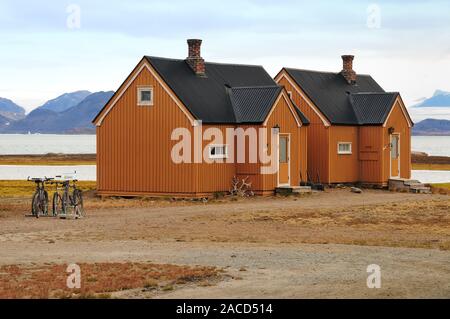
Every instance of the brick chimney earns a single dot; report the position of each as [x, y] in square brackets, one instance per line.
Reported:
[347, 71]
[194, 58]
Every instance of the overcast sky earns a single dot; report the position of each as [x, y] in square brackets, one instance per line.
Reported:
[46, 50]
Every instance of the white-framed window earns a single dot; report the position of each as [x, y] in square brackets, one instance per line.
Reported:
[344, 148]
[218, 151]
[145, 95]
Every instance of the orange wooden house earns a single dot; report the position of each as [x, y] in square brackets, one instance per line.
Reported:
[357, 132]
[135, 129]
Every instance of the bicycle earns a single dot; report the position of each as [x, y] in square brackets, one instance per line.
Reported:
[39, 202]
[63, 201]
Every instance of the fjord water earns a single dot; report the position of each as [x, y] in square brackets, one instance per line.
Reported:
[432, 145]
[27, 144]
[36, 144]
[23, 144]
[21, 172]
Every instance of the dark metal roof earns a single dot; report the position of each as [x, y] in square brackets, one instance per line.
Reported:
[208, 98]
[302, 116]
[330, 93]
[372, 108]
[253, 104]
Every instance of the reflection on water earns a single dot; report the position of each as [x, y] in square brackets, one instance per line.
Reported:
[432, 145]
[21, 144]
[431, 176]
[18, 172]
[88, 173]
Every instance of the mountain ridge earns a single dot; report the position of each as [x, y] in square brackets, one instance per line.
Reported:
[76, 119]
[432, 127]
[11, 110]
[440, 98]
[65, 101]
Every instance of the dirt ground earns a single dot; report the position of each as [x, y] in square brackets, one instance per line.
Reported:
[294, 247]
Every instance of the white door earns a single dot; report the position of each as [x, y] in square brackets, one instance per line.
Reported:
[395, 155]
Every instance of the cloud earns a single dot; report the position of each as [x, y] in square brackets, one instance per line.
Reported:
[114, 34]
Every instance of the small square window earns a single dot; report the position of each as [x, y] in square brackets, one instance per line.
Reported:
[145, 96]
[344, 148]
[218, 151]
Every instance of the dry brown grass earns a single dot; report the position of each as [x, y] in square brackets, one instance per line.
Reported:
[425, 159]
[48, 159]
[410, 221]
[420, 224]
[443, 188]
[98, 280]
[442, 185]
[15, 198]
[21, 188]
[430, 167]
[19, 206]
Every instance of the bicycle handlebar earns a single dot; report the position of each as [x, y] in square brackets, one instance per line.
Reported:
[39, 179]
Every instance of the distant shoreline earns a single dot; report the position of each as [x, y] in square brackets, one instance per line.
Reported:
[49, 159]
[432, 134]
[419, 160]
[422, 161]
[84, 134]
[93, 134]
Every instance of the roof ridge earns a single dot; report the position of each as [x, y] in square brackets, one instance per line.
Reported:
[162, 58]
[206, 62]
[373, 93]
[327, 72]
[239, 64]
[308, 70]
[256, 87]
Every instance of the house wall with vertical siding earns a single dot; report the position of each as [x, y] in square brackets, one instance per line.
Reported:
[134, 145]
[248, 170]
[398, 121]
[283, 117]
[370, 158]
[371, 154]
[317, 134]
[344, 168]
[215, 176]
[134, 148]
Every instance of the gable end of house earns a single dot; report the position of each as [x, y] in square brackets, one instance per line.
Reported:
[140, 67]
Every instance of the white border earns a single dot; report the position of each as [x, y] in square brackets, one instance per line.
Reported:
[289, 103]
[403, 108]
[288, 135]
[139, 95]
[390, 156]
[218, 156]
[344, 153]
[319, 114]
[160, 81]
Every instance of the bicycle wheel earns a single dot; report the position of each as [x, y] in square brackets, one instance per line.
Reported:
[77, 202]
[44, 204]
[65, 203]
[35, 205]
[58, 207]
